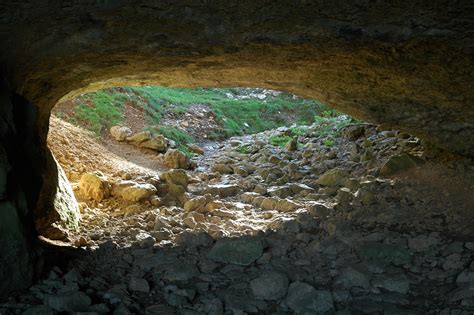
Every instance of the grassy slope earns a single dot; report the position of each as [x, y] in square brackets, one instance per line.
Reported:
[101, 109]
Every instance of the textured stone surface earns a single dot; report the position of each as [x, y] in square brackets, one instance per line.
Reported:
[19, 191]
[405, 64]
[240, 251]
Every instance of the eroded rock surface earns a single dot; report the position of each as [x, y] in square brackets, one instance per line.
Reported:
[367, 243]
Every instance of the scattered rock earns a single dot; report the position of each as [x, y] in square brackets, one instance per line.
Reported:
[140, 137]
[132, 191]
[138, 284]
[94, 186]
[195, 148]
[399, 163]
[240, 251]
[270, 286]
[69, 302]
[333, 177]
[120, 133]
[303, 298]
[175, 159]
[159, 144]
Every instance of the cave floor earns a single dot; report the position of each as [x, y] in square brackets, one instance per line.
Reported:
[255, 228]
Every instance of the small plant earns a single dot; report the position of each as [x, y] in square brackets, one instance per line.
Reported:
[279, 141]
[328, 142]
[244, 149]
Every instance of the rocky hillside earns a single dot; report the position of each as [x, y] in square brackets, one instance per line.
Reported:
[319, 219]
[188, 115]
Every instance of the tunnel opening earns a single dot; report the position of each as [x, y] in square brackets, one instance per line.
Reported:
[138, 133]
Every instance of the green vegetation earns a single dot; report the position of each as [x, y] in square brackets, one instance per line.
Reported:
[99, 110]
[330, 123]
[279, 141]
[328, 142]
[244, 149]
[238, 111]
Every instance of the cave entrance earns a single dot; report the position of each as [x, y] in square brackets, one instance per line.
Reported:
[136, 156]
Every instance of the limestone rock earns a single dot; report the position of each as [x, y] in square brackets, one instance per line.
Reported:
[195, 204]
[393, 282]
[158, 143]
[270, 286]
[222, 168]
[195, 148]
[94, 186]
[333, 177]
[318, 210]
[240, 251]
[140, 137]
[384, 254]
[176, 183]
[69, 302]
[175, 159]
[65, 202]
[303, 298]
[139, 284]
[351, 277]
[132, 191]
[399, 163]
[120, 133]
[176, 176]
[353, 132]
[292, 145]
[223, 190]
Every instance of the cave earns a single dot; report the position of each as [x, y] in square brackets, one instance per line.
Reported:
[406, 66]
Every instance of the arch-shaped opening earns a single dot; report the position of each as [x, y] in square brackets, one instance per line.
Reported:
[405, 66]
[271, 206]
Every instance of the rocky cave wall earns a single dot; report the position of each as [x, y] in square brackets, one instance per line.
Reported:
[407, 65]
[20, 183]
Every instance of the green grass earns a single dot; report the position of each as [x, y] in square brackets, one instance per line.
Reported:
[330, 123]
[279, 141]
[244, 149]
[102, 109]
[99, 111]
[237, 117]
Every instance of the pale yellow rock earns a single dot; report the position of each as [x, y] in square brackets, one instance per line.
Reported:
[94, 186]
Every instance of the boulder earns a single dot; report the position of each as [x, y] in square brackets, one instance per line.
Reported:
[120, 133]
[400, 163]
[292, 145]
[195, 148]
[195, 204]
[65, 202]
[140, 137]
[222, 168]
[159, 144]
[139, 285]
[175, 159]
[353, 132]
[333, 177]
[223, 190]
[351, 277]
[303, 298]
[239, 251]
[132, 191]
[94, 186]
[176, 176]
[176, 184]
[269, 286]
[70, 301]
